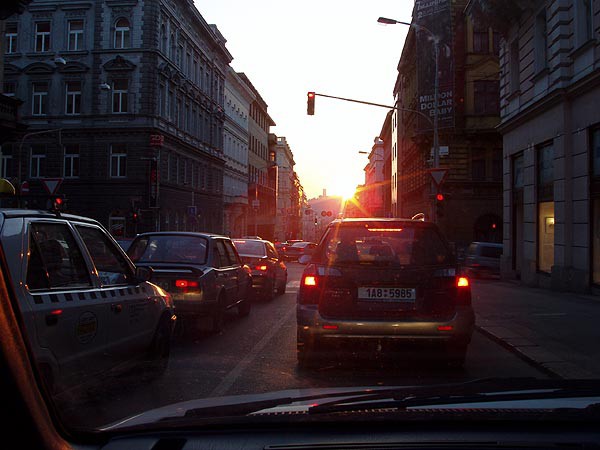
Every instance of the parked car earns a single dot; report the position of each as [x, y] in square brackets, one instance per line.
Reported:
[281, 248]
[269, 273]
[383, 285]
[85, 306]
[298, 249]
[202, 271]
[482, 259]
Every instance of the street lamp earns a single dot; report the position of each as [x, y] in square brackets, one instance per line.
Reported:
[436, 46]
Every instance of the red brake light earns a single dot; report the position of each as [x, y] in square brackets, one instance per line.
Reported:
[261, 268]
[462, 282]
[310, 280]
[186, 283]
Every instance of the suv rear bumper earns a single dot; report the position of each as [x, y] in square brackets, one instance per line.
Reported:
[312, 328]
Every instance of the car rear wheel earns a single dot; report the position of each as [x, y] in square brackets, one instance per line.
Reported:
[244, 307]
[270, 291]
[160, 350]
[218, 316]
[281, 287]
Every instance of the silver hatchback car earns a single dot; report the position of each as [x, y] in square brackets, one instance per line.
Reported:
[383, 285]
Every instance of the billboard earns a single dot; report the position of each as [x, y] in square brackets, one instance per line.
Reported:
[435, 16]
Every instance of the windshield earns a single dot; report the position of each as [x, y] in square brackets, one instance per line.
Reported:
[429, 170]
[169, 248]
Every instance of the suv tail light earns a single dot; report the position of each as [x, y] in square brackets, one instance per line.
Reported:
[309, 286]
[463, 291]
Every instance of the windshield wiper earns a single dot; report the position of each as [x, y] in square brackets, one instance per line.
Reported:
[476, 391]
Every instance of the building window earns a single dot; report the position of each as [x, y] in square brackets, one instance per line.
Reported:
[514, 66]
[545, 185]
[9, 88]
[38, 158]
[42, 36]
[40, 99]
[496, 42]
[596, 240]
[163, 39]
[541, 42]
[486, 97]
[118, 161]
[73, 98]
[71, 169]
[481, 43]
[596, 152]
[75, 34]
[584, 20]
[6, 161]
[120, 94]
[122, 34]
[11, 38]
[478, 163]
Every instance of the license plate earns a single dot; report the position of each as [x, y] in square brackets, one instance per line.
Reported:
[389, 294]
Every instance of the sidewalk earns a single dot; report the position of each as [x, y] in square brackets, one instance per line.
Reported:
[559, 332]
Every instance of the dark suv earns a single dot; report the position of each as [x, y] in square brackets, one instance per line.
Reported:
[383, 284]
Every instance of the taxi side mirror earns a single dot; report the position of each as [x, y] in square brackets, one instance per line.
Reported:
[143, 274]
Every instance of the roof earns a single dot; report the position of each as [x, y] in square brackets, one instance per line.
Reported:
[182, 233]
[15, 212]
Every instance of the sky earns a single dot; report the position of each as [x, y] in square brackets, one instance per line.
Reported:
[334, 47]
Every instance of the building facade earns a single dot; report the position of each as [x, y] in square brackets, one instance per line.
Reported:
[238, 98]
[287, 217]
[549, 91]
[262, 169]
[470, 149]
[124, 101]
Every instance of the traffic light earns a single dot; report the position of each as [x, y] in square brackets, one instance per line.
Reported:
[316, 222]
[135, 216]
[440, 201]
[310, 105]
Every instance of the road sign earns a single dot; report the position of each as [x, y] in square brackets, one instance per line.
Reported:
[25, 187]
[255, 203]
[192, 210]
[438, 175]
[51, 184]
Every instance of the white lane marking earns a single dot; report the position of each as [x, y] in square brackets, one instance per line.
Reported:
[293, 284]
[240, 368]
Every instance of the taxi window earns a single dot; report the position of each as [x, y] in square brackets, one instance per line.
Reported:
[233, 257]
[112, 267]
[221, 258]
[271, 252]
[55, 260]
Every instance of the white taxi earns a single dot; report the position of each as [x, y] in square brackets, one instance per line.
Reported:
[85, 307]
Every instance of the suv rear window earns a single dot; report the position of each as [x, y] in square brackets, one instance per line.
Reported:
[386, 244]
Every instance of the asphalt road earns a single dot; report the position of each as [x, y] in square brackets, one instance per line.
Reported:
[256, 354]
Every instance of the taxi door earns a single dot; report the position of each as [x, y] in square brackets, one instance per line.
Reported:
[226, 272]
[132, 310]
[71, 319]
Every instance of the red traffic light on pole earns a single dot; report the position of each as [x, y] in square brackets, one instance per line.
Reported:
[310, 103]
[439, 197]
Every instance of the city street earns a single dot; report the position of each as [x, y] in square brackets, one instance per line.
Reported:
[256, 354]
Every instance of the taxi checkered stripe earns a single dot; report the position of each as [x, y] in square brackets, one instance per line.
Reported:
[70, 297]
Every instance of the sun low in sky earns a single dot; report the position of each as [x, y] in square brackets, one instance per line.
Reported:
[333, 47]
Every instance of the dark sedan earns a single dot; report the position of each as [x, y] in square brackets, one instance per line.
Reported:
[202, 271]
[269, 273]
[298, 249]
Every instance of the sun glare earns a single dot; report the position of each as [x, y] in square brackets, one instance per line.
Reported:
[344, 189]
